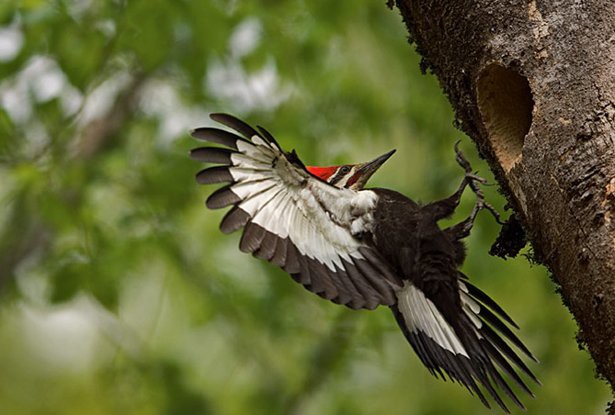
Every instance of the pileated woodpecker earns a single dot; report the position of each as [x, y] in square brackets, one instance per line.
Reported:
[366, 247]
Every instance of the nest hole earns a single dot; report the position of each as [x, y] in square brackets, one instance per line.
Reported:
[505, 104]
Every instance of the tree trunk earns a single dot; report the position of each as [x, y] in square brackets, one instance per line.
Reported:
[533, 84]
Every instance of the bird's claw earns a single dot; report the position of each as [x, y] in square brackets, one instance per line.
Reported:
[461, 160]
[473, 179]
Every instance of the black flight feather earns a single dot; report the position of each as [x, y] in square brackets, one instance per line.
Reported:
[234, 219]
[215, 135]
[212, 175]
[222, 198]
[212, 155]
[234, 123]
[488, 301]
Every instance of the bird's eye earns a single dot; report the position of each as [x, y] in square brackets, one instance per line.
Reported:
[345, 169]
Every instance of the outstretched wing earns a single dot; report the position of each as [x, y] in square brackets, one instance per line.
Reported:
[292, 218]
[457, 330]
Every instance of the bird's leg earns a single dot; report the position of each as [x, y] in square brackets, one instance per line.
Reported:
[473, 181]
[444, 208]
[462, 229]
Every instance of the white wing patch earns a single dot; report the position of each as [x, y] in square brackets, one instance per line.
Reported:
[294, 219]
[421, 315]
[319, 220]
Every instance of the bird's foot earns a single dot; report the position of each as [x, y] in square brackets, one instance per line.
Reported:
[474, 180]
[461, 159]
[474, 177]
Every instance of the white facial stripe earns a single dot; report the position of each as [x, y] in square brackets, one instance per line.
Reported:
[342, 182]
[336, 176]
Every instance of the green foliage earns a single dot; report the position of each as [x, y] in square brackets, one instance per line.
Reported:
[120, 295]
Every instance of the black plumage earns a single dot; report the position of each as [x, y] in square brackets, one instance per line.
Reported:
[382, 248]
[217, 136]
[213, 175]
[212, 155]
[234, 220]
[222, 198]
[267, 247]
[430, 260]
[478, 295]
[234, 123]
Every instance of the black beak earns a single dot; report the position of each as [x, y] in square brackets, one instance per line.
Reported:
[369, 168]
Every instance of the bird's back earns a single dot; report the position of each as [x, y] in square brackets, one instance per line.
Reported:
[406, 233]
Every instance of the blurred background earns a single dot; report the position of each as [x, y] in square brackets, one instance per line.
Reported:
[118, 294]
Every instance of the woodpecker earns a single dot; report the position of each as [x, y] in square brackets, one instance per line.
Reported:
[363, 248]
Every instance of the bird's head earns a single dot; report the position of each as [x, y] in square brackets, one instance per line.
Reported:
[350, 176]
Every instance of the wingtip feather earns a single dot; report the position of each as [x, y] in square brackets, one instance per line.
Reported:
[235, 123]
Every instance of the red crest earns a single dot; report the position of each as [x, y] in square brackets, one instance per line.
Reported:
[322, 172]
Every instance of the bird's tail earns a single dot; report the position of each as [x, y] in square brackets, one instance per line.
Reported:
[462, 337]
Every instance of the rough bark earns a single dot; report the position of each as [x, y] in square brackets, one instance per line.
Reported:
[533, 84]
